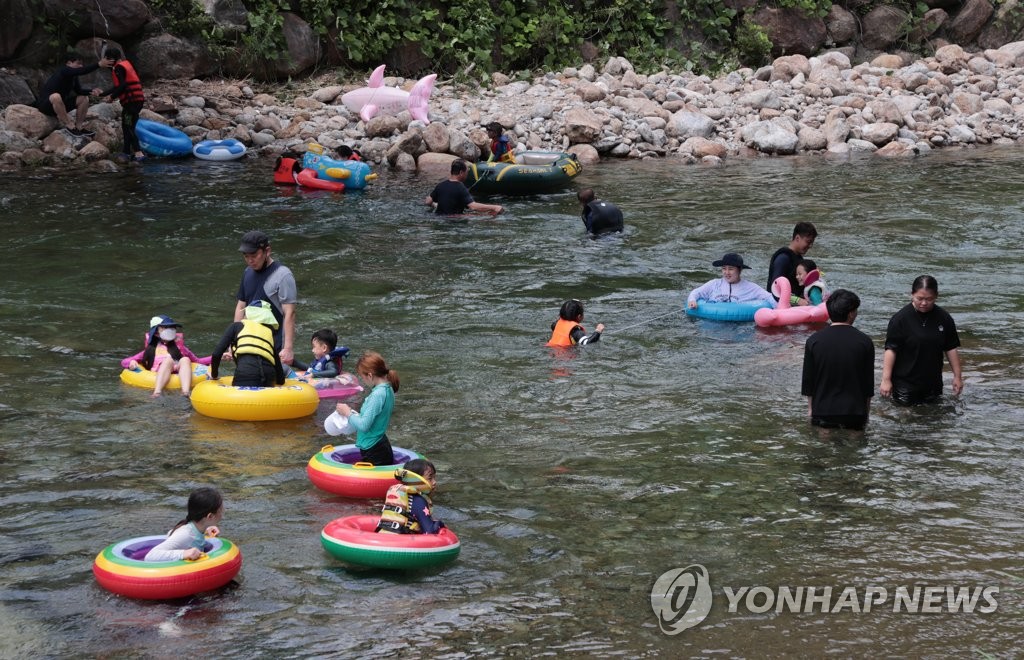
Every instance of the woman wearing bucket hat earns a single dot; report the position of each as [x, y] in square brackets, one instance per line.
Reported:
[166, 354]
[257, 363]
[731, 287]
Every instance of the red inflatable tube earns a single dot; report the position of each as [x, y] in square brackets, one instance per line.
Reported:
[309, 179]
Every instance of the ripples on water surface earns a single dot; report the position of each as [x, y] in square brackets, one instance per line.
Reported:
[574, 480]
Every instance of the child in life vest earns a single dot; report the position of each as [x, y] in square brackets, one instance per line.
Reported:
[809, 277]
[166, 354]
[501, 150]
[567, 331]
[251, 340]
[325, 370]
[187, 539]
[407, 504]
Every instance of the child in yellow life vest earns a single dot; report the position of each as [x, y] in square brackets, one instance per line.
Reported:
[407, 504]
[251, 340]
[567, 331]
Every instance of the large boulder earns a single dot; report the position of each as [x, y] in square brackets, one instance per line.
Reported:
[969, 21]
[167, 56]
[791, 30]
[15, 141]
[841, 25]
[882, 26]
[13, 89]
[582, 126]
[771, 137]
[437, 137]
[462, 146]
[434, 164]
[117, 19]
[303, 46]
[684, 124]
[16, 27]
[27, 120]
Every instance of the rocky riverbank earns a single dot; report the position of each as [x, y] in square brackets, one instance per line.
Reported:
[890, 107]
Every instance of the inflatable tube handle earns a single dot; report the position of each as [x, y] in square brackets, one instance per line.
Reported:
[327, 449]
[363, 465]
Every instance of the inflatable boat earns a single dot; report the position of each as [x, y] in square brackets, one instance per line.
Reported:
[533, 172]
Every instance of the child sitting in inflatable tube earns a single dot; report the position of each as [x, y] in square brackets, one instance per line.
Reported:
[251, 340]
[371, 422]
[567, 331]
[325, 370]
[407, 504]
[731, 287]
[809, 277]
[188, 538]
[166, 354]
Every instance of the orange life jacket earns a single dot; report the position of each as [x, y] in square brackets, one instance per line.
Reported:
[286, 170]
[560, 336]
[133, 92]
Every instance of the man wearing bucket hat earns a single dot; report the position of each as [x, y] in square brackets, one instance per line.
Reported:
[268, 280]
[251, 340]
[731, 287]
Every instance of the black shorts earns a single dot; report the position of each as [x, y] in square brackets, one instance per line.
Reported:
[852, 422]
[905, 397]
[380, 453]
[44, 106]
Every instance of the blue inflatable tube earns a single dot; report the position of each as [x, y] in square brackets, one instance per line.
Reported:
[737, 312]
[160, 140]
[358, 172]
[229, 149]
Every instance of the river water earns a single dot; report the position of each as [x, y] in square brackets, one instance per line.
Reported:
[573, 480]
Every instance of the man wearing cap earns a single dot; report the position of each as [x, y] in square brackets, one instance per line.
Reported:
[266, 279]
[783, 263]
[839, 368]
[731, 287]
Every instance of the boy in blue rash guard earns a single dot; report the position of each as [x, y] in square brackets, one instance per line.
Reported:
[371, 422]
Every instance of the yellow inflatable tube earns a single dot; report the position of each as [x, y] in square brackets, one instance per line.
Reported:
[221, 399]
[147, 379]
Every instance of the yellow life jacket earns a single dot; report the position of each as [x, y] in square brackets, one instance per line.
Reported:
[561, 335]
[254, 339]
[396, 516]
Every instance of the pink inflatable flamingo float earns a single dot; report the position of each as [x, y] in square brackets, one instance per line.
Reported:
[785, 313]
[375, 98]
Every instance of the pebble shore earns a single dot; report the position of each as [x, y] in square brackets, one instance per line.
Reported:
[888, 107]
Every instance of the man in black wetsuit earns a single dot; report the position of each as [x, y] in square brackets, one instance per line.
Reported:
[451, 197]
[784, 261]
[599, 216]
[64, 90]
